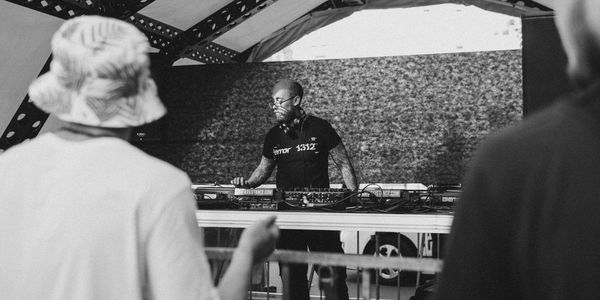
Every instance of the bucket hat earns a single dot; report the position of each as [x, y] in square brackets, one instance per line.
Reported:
[99, 75]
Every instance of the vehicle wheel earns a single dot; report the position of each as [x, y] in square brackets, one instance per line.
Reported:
[388, 247]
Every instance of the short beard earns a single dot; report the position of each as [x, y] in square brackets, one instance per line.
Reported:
[288, 116]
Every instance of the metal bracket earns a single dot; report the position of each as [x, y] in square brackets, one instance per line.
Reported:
[26, 123]
[212, 53]
[66, 9]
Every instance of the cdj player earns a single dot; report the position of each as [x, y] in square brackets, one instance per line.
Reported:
[257, 199]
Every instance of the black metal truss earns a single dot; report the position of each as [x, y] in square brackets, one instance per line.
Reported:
[336, 4]
[218, 23]
[171, 42]
[213, 53]
[26, 123]
[149, 25]
[164, 37]
[160, 35]
[61, 9]
[66, 9]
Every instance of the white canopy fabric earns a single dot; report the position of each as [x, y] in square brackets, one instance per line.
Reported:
[308, 23]
[285, 21]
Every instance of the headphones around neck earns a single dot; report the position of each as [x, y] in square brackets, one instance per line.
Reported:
[295, 123]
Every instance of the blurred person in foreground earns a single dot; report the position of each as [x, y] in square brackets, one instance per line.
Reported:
[84, 214]
[527, 226]
[300, 146]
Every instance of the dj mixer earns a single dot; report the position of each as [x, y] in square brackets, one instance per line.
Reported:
[372, 197]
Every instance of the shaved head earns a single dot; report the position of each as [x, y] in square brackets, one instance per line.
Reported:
[287, 96]
[292, 86]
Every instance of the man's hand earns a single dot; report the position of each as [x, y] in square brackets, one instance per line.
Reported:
[259, 239]
[258, 177]
[240, 182]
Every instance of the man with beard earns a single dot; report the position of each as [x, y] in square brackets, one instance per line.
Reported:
[300, 146]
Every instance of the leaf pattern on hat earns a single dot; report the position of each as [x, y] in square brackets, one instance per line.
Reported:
[105, 110]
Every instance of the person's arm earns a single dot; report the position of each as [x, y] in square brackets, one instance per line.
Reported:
[256, 243]
[259, 176]
[341, 160]
[176, 264]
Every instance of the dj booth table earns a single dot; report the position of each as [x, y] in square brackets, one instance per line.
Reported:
[309, 220]
[418, 224]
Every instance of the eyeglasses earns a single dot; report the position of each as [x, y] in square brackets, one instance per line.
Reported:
[281, 102]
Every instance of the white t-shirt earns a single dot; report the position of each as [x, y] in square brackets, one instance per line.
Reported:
[97, 219]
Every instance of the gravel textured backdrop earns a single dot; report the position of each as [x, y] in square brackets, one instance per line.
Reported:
[403, 119]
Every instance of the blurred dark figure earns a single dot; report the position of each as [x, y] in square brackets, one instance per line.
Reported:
[528, 224]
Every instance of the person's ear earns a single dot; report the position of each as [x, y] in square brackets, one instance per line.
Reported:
[297, 100]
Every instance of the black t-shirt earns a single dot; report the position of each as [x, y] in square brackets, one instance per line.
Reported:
[302, 156]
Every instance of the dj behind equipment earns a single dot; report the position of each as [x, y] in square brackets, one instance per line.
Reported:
[387, 198]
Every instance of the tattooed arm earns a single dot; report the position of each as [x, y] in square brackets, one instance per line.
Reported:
[258, 177]
[341, 160]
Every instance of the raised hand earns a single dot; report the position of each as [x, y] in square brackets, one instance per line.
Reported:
[260, 239]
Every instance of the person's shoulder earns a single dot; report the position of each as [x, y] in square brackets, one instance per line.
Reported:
[158, 178]
[273, 132]
[317, 120]
[314, 118]
[136, 162]
[273, 129]
[538, 125]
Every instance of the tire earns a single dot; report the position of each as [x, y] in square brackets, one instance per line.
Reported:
[388, 247]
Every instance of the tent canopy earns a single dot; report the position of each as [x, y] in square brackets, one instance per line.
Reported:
[224, 31]
[182, 32]
[279, 23]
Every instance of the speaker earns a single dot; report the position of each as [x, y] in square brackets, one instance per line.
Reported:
[544, 64]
